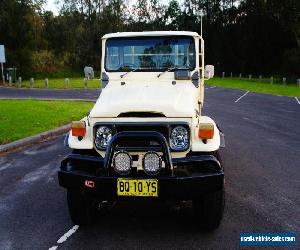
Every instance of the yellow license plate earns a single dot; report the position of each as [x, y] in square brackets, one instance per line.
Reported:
[132, 187]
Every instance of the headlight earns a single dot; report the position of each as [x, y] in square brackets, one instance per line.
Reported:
[179, 138]
[151, 163]
[122, 162]
[103, 136]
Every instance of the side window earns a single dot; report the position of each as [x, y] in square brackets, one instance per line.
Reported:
[130, 56]
[180, 54]
[191, 55]
[113, 59]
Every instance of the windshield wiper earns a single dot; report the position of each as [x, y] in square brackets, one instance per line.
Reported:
[132, 70]
[135, 69]
[169, 69]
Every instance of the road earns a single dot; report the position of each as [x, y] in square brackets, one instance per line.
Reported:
[261, 160]
[72, 94]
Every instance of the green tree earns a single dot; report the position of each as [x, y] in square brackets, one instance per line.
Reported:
[20, 28]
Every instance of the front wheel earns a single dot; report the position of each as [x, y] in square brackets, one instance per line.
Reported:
[82, 209]
[208, 209]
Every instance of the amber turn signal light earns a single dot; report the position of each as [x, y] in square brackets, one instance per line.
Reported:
[78, 128]
[206, 131]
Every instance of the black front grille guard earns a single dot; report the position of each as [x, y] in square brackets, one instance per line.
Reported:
[145, 135]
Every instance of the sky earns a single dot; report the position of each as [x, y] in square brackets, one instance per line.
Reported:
[50, 5]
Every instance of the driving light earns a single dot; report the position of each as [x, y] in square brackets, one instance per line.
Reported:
[206, 131]
[151, 163]
[102, 137]
[179, 138]
[122, 162]
[78, 128]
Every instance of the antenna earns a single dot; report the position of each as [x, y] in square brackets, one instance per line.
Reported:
[201, 24]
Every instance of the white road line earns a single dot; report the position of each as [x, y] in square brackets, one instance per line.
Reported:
[63, 238]
[206, 88]
[241, 96]
[297, 100]
[67, 234]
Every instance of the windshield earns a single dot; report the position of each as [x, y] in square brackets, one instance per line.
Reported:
[150, 53]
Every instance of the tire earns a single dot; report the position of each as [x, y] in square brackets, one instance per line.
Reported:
[208, 209]
[82, 209]
[219, 158]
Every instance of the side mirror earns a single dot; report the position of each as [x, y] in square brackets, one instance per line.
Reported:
[209, 71]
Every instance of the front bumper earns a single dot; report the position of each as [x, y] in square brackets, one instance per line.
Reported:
[192, 176]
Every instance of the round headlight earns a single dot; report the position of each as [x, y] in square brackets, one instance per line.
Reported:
[179, 138]
[122, 162]
[151, 163]
[103, 136]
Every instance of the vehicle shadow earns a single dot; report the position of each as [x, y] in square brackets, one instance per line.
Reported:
[152, 216]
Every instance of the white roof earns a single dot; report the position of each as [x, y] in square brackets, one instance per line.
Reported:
[151, 33]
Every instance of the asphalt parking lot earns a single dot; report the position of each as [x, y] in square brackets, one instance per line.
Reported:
[261, 157]
[70, 94]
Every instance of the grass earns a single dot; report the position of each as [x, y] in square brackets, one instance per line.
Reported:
[253, 85]
[59, 83]
[21, 119]
[256, 85]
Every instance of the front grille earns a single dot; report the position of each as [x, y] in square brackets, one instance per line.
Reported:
[138, 145]
[141, 145]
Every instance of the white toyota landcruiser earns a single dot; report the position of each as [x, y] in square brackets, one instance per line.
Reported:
[146, 138]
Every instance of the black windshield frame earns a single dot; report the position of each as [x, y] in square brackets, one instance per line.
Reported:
[147, 38]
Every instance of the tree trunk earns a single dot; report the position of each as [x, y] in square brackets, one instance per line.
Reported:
[297, 39]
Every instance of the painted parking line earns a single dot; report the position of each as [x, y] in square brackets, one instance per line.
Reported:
[210, 87]
[63, 238]
[53, 248]
[237, 100]
[296, 98]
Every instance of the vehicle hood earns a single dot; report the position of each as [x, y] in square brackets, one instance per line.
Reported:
[179, 100]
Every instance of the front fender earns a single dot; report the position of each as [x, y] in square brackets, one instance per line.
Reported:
[87, 140]
[199, 145]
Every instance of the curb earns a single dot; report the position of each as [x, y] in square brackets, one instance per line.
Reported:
[34, 88]
[33, 139]
[46, 99]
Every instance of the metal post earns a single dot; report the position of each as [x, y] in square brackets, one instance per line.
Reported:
[240, 75]
[201, 24]
[2, 74]
[67, 80]
[271, 79]
[231, 74]
[46, 83]
[9, 81]
[31, 82]
[284, 80]
[15, 74]
[201, 88]
[85, 82]
[20, 82]
[223, 74]
[250, 76]
[298, 82]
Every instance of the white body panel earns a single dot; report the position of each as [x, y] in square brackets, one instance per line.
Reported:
[179, 100]
[150, 33]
